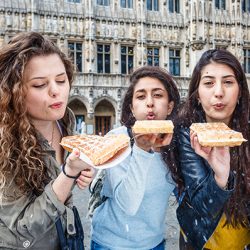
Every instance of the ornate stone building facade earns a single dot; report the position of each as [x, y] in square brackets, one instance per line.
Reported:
[108, 38]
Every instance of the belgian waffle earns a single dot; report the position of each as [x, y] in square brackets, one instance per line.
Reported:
[97, 148]
[153, 126]
[217, 134]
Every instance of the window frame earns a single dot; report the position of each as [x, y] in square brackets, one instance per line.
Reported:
[218, 4]
[76, 52]
[175, 58]
[154, 5]
[246, 60]
[245, 6]
[104, 56]
[73, 1]
[127, 57]
[174, 6]
[104, 3]
[128, 4]
[153, 55]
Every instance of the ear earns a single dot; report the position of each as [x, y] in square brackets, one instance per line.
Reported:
[170, 107]
[198, 100]
[131, 108]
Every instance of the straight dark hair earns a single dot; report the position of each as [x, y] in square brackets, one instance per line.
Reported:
[192, 111]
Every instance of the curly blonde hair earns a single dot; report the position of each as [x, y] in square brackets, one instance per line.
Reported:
[21, 156]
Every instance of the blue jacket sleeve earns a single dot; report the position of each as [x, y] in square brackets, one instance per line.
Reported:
[204, 195]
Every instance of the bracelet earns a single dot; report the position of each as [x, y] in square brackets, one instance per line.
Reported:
[70, 176]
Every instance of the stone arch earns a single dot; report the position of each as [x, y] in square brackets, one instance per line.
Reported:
[80, 108]
[104, 115]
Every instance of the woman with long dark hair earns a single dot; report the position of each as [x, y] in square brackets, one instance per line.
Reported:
[138, 189]
[214, 212]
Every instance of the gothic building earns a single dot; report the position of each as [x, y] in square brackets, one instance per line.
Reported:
[106, 39]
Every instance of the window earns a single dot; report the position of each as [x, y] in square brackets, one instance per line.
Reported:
[220, 4]
[174, 61]
[153, 57]
[127, 57]
[126, 3]
[75, 53]
[103, 2]
[247, 61]
[103, 58]
[174, 6]
[73, 1]
[246, 5]
[153, 5]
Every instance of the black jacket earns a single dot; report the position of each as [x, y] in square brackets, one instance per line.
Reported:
[202, 206]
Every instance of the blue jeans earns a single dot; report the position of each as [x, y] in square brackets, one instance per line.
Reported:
[95, 246]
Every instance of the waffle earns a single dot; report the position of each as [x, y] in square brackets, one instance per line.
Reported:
[217, 134]
[97, 148]
[153, 126]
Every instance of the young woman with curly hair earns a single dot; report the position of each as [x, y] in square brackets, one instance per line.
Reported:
[214, 213]
[35, 80]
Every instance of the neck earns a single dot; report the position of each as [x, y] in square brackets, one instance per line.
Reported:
[45, 128]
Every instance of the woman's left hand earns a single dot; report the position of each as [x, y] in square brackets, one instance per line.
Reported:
[85, 178]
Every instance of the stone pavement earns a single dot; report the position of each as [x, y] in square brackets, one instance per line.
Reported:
[172, 233]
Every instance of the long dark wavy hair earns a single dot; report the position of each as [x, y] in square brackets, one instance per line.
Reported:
[127, 119]
[236, 208]
[21, 156]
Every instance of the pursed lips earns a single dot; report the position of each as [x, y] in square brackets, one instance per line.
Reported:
[151, 116]
[219, 105]
[56, 105]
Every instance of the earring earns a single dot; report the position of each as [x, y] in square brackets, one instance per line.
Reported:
[238, 102]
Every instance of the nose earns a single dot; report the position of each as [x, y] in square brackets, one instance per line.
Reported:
[54, 89]
[150, 102]
[218, 90]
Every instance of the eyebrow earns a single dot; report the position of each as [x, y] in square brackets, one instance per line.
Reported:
[143, 90]
[41, 77]
[212, 77]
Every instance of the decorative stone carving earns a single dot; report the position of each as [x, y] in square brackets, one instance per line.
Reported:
[9, 20]
[29, 21]
[16, 21]
[61, 24]
[197, 45]
[23, 21]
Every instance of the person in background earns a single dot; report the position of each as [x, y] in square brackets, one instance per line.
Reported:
[137, 190]
[35, 80]
[214, 213]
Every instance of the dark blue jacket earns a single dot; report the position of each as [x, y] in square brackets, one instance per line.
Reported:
[202, 206]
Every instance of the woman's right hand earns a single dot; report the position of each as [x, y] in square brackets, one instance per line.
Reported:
[217, 157]
[145, 141]
[154, 142]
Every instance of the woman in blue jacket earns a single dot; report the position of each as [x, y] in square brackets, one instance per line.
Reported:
[138, 189]
[214, 213]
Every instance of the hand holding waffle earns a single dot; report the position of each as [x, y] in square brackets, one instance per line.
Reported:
[212, 141]
[96, 150]
[153, 134]
[74, 165]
